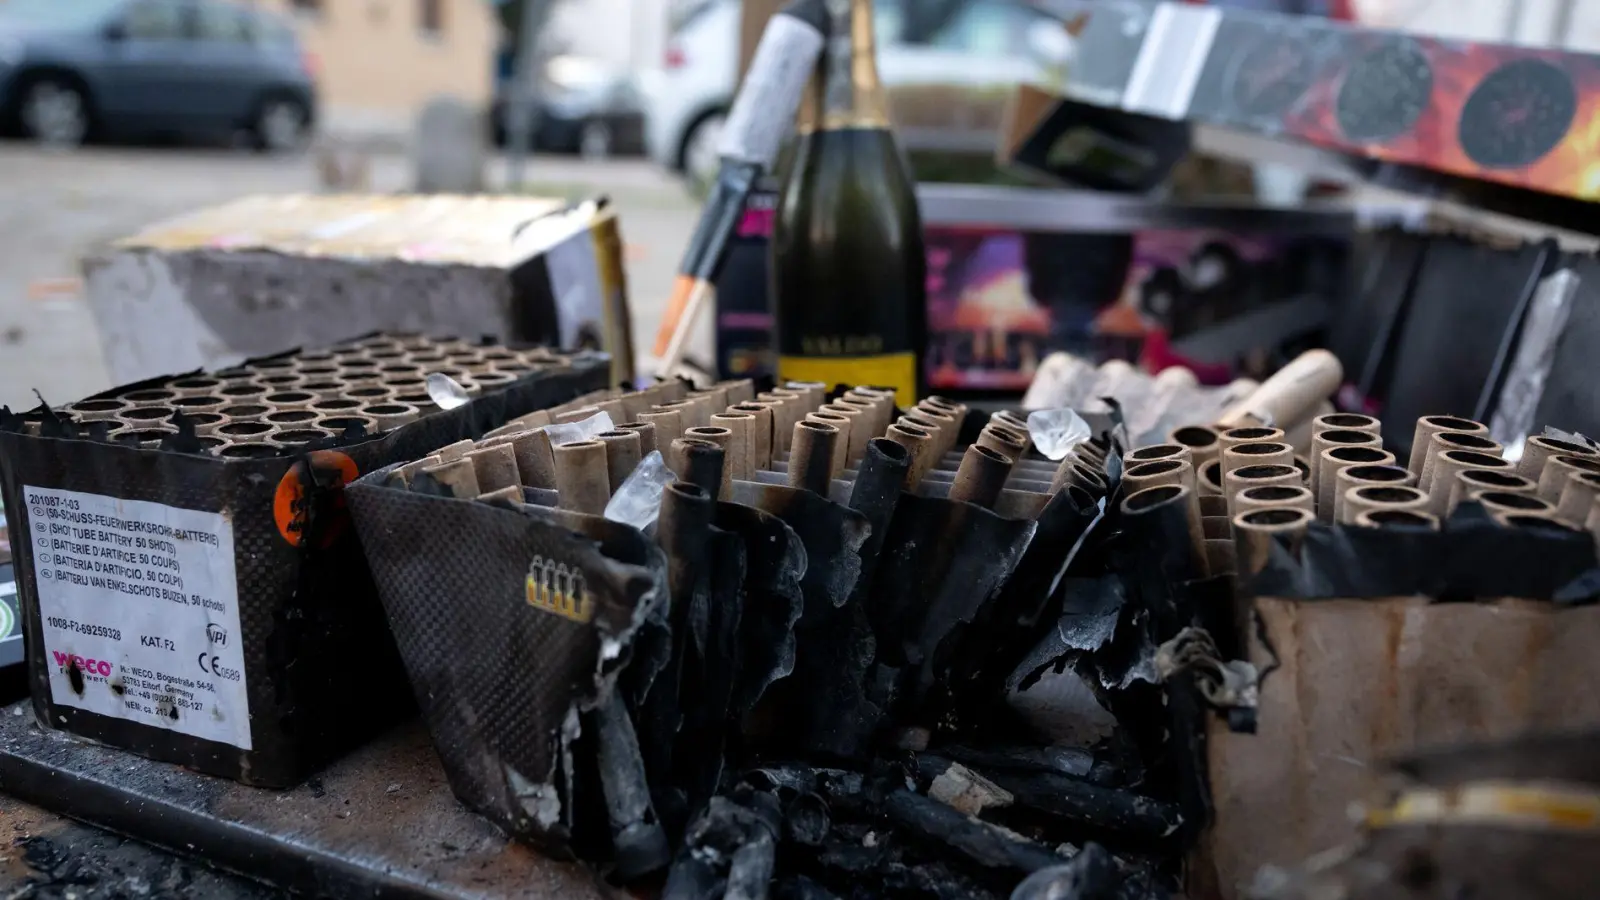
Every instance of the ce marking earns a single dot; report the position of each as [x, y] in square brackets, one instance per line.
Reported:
[208, 663]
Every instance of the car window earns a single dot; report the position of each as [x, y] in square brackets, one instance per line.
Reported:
[154, 20]
[219, 22]
[57, 13]
[987, 29]
[273, 31]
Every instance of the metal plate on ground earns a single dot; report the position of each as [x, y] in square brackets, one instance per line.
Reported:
[379, 823]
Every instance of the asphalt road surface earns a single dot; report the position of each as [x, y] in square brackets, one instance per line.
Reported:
[56, 207]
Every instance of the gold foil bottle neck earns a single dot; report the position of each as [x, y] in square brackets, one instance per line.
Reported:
[852, 94]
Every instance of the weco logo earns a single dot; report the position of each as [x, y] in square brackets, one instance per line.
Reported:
[558, 588]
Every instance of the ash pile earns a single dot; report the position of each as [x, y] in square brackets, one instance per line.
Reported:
[860, 652]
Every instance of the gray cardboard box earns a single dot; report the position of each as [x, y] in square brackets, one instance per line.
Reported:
[263, 275]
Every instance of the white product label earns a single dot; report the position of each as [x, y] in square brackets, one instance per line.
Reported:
[140, 612]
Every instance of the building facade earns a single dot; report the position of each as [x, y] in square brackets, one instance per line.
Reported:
[379, 62]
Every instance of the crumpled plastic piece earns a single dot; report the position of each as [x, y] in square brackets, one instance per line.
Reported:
[582, 430]
[446, 392]
[1056, 431]
[638, 501]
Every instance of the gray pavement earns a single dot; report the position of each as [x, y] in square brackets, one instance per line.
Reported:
[57, 207]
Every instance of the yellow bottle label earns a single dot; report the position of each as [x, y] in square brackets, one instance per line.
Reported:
[890, 370]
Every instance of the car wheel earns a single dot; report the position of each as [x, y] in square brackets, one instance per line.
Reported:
[55, 112]
[280, 125]
[595, 140]
[700, 160]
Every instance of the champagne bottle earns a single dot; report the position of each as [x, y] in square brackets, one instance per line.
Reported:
[849, 271]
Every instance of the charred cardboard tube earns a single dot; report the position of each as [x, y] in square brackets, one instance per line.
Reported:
[698, 462]
[1472, 482]
[723, 438]
[1275, 497]
[668, 423]
[647, 436]
[1352, 477]
[1368, 497]
[536, 465]
[1530, 521]
[1172, 500]
[1260, 453]
[949, 427]
[495, 467]
[741, 455]
[582, 483]
[1073, 471]
[623, 452]
[1214, 506]
[1157, 452]
[1339, 422]
[1248, 434]
[859, 432]
[982, 474]
[1219, 556]
[506, 496]
[1558, 470]
[1447, 463]
[1451, 440]
[1304, 465]
[1254, 533]
[1004, 441]
[1336, 459]
[1402, 518]
[1210, 478]
[1338, 437]
[841, 445]
[919, 443]
[812, 456]
[1539, 448]
[1216, 528]
[1514, 503]
[1291, 395]
[1268, 475]
[760, 432]
[391, 415]
[1154, 474]
[1202, 440]
[1422, 439]
[457, 476]
[1577, 498]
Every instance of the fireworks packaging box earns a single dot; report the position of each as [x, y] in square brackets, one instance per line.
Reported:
[1378, 642]
[262, 275]
[191, 589]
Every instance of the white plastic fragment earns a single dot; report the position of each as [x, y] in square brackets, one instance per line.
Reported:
[638, 501]
[1056, 431]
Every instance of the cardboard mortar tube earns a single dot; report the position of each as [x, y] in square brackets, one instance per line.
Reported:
[1299, 437]
[1446, 463]
[1219, 556]
[1264, 475]
[1512, 503]
[1210, 478]
[698, 462]
[1255, 532]
[1248, 434]
[495, 467]
[622, 455]
[1539, 448]
[1291, 395]
[841, 446]
[1214, 505]
[722, 437]
[815, 392]
[860, 430]
[582, 481]
[1002, 440]
[982, 474]
[455, 451]
[1262, 453]
[1151, 498]
[687, 409]
[705, 406]
[1558, 470]
[1451, 440]
[507, 495]
[536, 465]
[1369, 497]
[760, 433]
[1011, 420]
[919, 443]
[1155, 452]
[1216, 528]
[812, 456]
[458, 476]
[1275, 496]
[1593, 523]
[1336, 459]
[647, 436]
[785, 412]
[668, 423]
[1203, 442]
[1378, 474]
[1335, 421]
[1155, 474]
[1472, 482]
[412, 468]
[740, 390]
[741, 454]
[879, 412]
[1389, 518]
[1427, 427]
[1577, 498]
[1532, 521]
[1338, 437]
[949, 428]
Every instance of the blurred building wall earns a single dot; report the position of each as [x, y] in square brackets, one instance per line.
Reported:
[379, 62]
